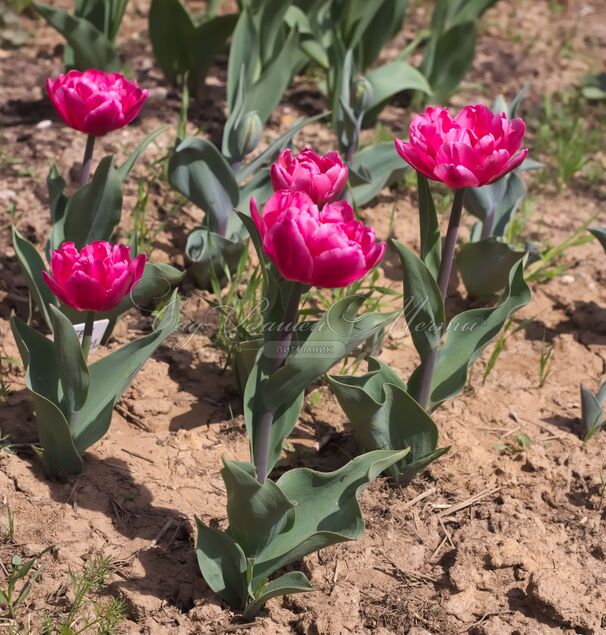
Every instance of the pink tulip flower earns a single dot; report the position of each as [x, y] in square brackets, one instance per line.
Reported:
[95, 279]
[326, 248]
[323, 178]
[474, 148]
[95, 102]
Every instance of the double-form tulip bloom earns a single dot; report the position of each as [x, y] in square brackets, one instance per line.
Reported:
[322, 178]
[474, 148]
[95, 102]
[96, 278]
[325, 248]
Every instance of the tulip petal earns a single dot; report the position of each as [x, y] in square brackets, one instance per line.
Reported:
[103, 119]
[339, 267]
[289, 251]
[456, 176]
[55, 288]
[84, 292]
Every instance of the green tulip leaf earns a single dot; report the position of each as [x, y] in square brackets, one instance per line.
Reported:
[209, 254]
[600, 234]
[111, 375]
[222, 564]
[206, 42]
[327, 343]
[257, 512]
[592, 411]
[200, 172]
[285, 416]
[243, 52]
[91, 48]
[383, 27]
[485, 266]
[468, 334]
[327, 510]
[496, 203]
[454, 52]
[73, 371]
[60, 456]
[124, 170]
[385, 417]
[94, 211]
[32, 266]
[423, 305]
[431, 245]
[264, 95]
[286, 584]
[170, 32]
[388, 80]
[384, 166]
[58, 203]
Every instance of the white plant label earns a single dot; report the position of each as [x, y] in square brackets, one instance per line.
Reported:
[99, 328]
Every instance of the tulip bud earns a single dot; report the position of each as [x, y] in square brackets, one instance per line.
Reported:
[248, 133]
[362, 94]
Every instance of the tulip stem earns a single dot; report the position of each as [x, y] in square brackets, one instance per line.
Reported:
[89, 323]
[87, 161]
[428, 365]
[278, 351]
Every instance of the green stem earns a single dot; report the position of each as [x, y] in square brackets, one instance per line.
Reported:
[87, 161]
[89, 323]
[428, 365]
[279, 354]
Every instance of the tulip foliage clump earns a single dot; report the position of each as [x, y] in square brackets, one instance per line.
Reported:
[89, 280]
[300, 213]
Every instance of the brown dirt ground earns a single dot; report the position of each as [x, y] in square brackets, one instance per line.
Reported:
[528, 556]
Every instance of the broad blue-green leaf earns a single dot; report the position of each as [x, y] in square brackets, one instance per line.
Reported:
[468, 334]
[496, 204]
[327, 510]
[243, 53]
[485, 266]
[423, 305]
[222, 564]
[600, 234]
[111, 375]
[285, 416]
[208, 254]
[383, 164]
[199, 172]
[431, 246]
[73, 371]
[592, 411]
[286, 584]
[207, 41]
[384, 26]
[58, 203]
[390, 79]
[94, 211]
[91, 48]
[170, 32]
[327, 343]
[264, 95]
[124, 170]
[32, 266]
[466, 10]
[257, 512]
[385, 417]
[454, 51]
[60, 455]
